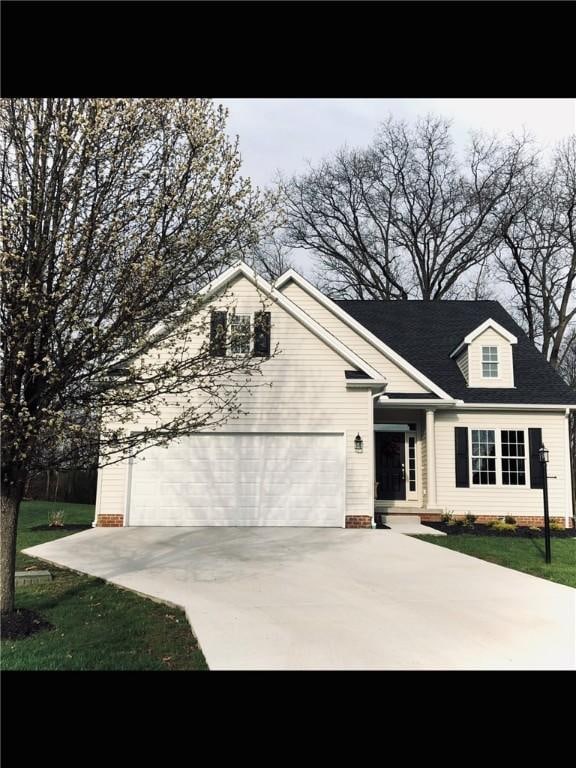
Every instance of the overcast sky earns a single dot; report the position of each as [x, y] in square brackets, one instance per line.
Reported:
[282, 134]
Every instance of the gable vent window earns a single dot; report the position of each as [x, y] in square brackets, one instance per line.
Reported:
[490, 362]
[240, 334]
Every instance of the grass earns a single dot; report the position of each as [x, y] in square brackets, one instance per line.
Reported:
[525, 555]
[97, 626]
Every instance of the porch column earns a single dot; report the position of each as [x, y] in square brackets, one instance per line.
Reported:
[430, 457]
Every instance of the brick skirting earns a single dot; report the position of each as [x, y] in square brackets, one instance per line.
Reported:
[358, 521]
[520, 520]
[110, 521]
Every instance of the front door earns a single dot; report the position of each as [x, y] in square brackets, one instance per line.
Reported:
[390, 470]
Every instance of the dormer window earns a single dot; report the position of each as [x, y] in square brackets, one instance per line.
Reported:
[485, 356]
[489, 362]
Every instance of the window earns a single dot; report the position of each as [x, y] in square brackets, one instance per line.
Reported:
[513, 453]
[412, 463]
[505, 449]
[483, 457]
[240, 334]
[490, 362]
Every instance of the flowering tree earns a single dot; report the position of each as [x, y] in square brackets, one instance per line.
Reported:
[112, 214]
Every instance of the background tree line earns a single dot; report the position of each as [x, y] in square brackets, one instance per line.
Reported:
[410, 217]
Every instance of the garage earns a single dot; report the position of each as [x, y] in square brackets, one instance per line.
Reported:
[240, 479]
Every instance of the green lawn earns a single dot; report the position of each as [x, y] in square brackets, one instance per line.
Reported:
[96, 625]
[521, 554]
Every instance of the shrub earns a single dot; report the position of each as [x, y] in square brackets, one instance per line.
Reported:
[556, 525]
[503, 526]
[469, 520]
[510, 520]
[56, 518]
[448, 516]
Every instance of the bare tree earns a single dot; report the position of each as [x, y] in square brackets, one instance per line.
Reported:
[271, 256]
[112, 212]
[538, 254]
[337, 211]
[404, 217]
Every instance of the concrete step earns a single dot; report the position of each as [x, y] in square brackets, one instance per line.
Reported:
[413, 529]
[399, 519]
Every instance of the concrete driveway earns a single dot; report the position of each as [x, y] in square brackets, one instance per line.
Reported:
[310, 598]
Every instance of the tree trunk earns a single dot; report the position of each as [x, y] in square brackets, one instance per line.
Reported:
[9, 507]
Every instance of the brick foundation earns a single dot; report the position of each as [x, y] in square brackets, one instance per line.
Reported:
[358, 521]
[520, 520]
[110, 521]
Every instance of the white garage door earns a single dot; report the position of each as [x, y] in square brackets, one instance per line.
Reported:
[241, 479]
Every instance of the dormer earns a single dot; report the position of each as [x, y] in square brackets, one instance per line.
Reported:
[484, 356]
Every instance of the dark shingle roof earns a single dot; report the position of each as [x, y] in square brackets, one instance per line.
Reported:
[356, 375]
[425, 333]
[412, 396]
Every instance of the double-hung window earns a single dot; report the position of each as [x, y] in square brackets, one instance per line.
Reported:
[483, 457]
[240, 334]
[513, 457]
[489, 362]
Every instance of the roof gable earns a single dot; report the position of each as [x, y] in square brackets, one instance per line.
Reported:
[479, 330]
[240, 269]
[413, 371]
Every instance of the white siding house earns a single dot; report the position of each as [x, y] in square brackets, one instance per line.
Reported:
[348, 422]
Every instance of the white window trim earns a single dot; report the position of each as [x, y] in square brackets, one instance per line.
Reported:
[498, 456]
[491, 362]
[471, 457]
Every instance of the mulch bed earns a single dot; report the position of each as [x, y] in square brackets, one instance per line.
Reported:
[70, 527]
[522, 532]
[21, 623]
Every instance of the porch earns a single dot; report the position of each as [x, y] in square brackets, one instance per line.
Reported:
[404, 459]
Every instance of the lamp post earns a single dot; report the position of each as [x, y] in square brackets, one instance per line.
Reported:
[543, 458]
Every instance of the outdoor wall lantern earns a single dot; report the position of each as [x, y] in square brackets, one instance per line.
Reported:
[358, 443]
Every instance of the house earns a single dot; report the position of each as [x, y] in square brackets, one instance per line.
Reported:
[404, 407]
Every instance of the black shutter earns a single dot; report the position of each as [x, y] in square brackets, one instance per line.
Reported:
[461, 454]
[535, 442]
[218, 334]
[262, 334]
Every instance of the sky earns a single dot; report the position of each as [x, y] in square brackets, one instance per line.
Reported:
[283, 134]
